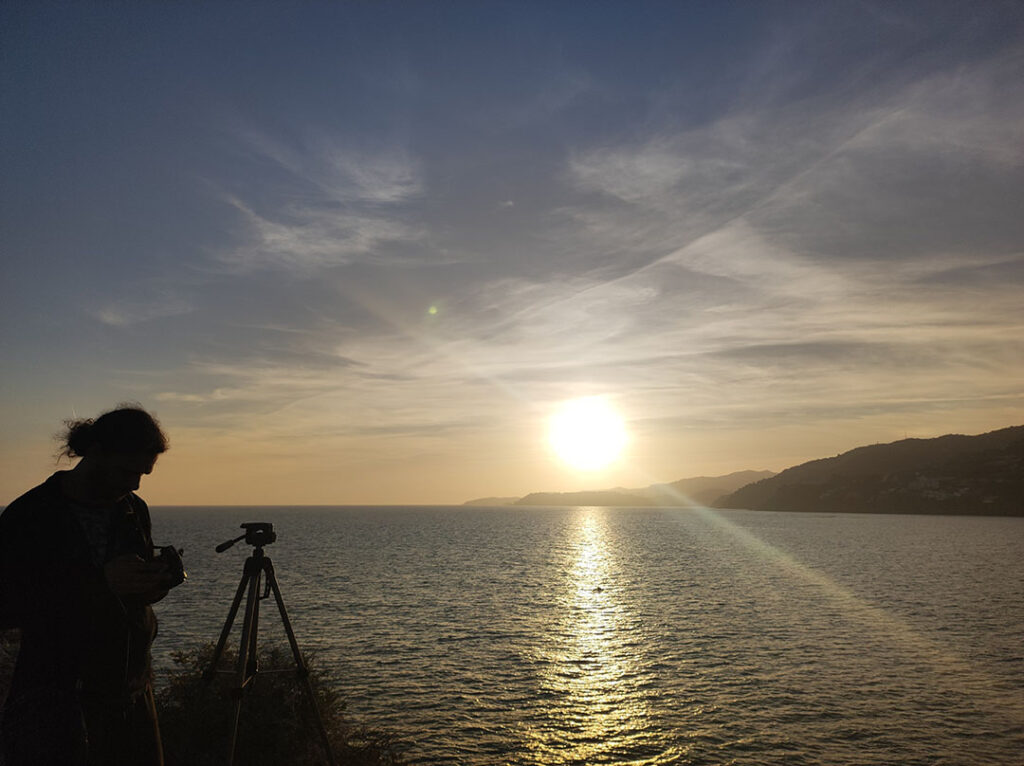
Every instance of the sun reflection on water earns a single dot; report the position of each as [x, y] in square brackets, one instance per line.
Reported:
[592, 672]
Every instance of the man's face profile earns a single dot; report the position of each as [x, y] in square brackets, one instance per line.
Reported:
[119, 473]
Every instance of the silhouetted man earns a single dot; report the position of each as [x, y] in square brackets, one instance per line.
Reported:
[77, 576]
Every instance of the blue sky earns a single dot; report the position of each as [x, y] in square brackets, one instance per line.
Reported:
[358, 252]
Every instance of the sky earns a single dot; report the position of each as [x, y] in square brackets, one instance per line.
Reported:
[361, 252]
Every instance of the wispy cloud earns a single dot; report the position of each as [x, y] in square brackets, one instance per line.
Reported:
[331, 206]
[644, 174]
[137, 309]
[915, 165]
[341, 172]
[307, 239]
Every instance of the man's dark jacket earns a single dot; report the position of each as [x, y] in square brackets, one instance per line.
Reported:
[77, 636]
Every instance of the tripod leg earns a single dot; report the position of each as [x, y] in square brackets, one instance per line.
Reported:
[253, 571]
[301, 670]
[252, 666]
[222, 641]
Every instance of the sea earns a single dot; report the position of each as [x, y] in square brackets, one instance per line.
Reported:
[593, 635]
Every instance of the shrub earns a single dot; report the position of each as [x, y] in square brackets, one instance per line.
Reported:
[276, 727]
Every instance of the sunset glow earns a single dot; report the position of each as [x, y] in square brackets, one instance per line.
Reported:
[357, 252]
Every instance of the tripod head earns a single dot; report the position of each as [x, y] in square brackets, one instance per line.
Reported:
[257, 534]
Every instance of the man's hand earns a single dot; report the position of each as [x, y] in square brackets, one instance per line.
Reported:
[129, 575]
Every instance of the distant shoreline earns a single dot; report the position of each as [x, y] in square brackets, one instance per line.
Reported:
[528, 508]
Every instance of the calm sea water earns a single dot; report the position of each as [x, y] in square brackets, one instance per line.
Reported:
[642, 636]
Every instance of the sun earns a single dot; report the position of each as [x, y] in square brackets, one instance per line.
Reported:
[587, 434]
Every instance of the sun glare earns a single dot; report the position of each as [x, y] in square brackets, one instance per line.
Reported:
[587, 434]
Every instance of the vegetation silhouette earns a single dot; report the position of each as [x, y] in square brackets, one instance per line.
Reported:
[276, 727]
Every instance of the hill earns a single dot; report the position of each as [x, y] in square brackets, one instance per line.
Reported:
[701, 490]
[953, 474]
[698, 490]
[587, 497]
[491, 501]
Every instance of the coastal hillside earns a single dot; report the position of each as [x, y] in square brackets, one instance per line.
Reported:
[609, 497]
[697, 490]
[953, 474]
[492, 501]
[701, 490]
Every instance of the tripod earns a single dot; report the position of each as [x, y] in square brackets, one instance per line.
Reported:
[256, 567]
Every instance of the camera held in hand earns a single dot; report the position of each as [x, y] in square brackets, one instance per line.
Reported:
[170, 557]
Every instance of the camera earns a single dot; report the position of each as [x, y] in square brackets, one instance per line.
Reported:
[170, 557]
